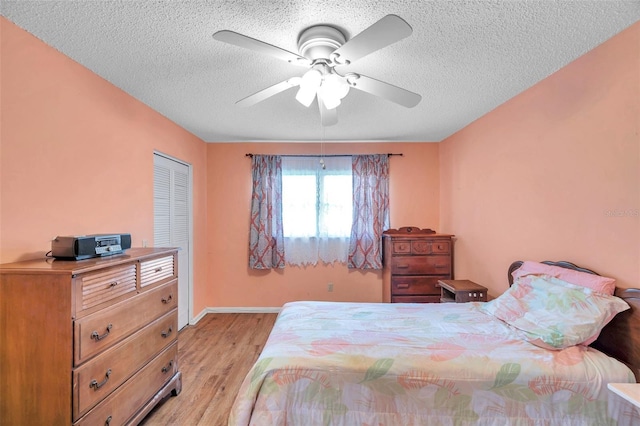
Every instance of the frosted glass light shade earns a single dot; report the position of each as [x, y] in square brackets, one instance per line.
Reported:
[305, 96]
[309, 84]
[335, 85]
[334, 88]
[329, 98]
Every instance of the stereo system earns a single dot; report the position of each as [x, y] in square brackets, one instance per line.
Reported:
[88, 246]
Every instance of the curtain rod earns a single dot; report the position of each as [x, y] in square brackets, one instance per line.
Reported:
[322, 155]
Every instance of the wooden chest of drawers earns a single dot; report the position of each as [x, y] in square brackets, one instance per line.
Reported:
[91, 342]
[414, 260]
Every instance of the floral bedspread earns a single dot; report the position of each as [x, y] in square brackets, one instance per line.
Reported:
[334, 363]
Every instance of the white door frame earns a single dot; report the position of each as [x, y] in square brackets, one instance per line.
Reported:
[190, 206]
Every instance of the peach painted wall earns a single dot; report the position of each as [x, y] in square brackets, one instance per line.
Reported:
[553, 173]
[77, 156]
[414, 193]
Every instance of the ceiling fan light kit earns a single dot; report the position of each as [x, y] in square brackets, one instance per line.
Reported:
[323, 48]
[334, 87]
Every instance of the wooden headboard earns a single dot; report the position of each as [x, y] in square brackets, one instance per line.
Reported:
[621, 337]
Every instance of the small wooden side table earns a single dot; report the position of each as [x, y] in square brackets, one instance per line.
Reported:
[460, 291]
[628, 391]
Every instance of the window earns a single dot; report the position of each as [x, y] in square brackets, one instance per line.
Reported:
[316, 209]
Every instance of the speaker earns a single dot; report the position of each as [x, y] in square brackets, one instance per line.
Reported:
[84, 246]
[125, 241]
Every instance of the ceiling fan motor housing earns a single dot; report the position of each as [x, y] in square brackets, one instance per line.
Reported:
[319, 41]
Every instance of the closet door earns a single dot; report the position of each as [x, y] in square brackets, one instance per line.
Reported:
[172, 217]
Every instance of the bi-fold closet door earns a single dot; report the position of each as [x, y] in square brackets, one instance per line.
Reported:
[172, 217]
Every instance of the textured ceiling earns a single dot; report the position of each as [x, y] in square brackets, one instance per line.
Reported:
[464, 57]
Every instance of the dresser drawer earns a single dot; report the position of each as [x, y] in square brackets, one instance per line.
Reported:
[125, 401]
[97, 288]
[415, 299]
[100, 330]
[421, 265]
[414, 285]
[402, 247]
[420, 247]
[440, 247]
[156, 270]
[97, 378]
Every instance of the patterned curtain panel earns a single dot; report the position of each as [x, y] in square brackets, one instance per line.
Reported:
[370, 210]
[266, 240]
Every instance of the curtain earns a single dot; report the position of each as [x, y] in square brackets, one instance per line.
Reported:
[316, 209]
[266, 240]
[370, 210]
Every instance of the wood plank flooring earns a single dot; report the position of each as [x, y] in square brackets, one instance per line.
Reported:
[214, 356]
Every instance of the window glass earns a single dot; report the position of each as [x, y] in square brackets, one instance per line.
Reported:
[336, 205]
[299, 215]
[316, 202]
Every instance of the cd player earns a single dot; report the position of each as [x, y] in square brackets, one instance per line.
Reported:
[87, 246]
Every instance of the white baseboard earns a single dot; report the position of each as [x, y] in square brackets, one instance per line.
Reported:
[235, 310]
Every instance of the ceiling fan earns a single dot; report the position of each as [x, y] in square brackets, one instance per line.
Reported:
[322, 49]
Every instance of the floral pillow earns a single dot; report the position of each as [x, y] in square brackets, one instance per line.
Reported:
[555, 314]
[595, 282]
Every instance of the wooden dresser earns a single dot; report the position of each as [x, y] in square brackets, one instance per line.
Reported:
[414, 260]
[90, 342]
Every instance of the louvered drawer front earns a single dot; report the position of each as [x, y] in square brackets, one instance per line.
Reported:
[125, 401]
[106, 285]
[97, 378]
[153, 271]
[415, 285]
[100, 330]
[421, 265]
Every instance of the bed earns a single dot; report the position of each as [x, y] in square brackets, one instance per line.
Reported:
[340, 363]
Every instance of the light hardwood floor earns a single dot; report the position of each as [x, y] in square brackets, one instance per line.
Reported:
[214, 356]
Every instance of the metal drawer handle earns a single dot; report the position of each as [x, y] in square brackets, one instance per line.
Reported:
[158, 269]
[442, 266]
[167, 299]
[402, 286]
[113, 284]
[403, 266]
[167, 367]
[108, 421]
[97, 337]
[166, 334]
[94, 383]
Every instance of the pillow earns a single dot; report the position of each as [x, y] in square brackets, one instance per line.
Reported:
[595, 282]
[555, 314]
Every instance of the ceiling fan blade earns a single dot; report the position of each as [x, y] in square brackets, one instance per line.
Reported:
[386, 31]
[261, 47]
[268, 92]
[384, 90]
[328, 117]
